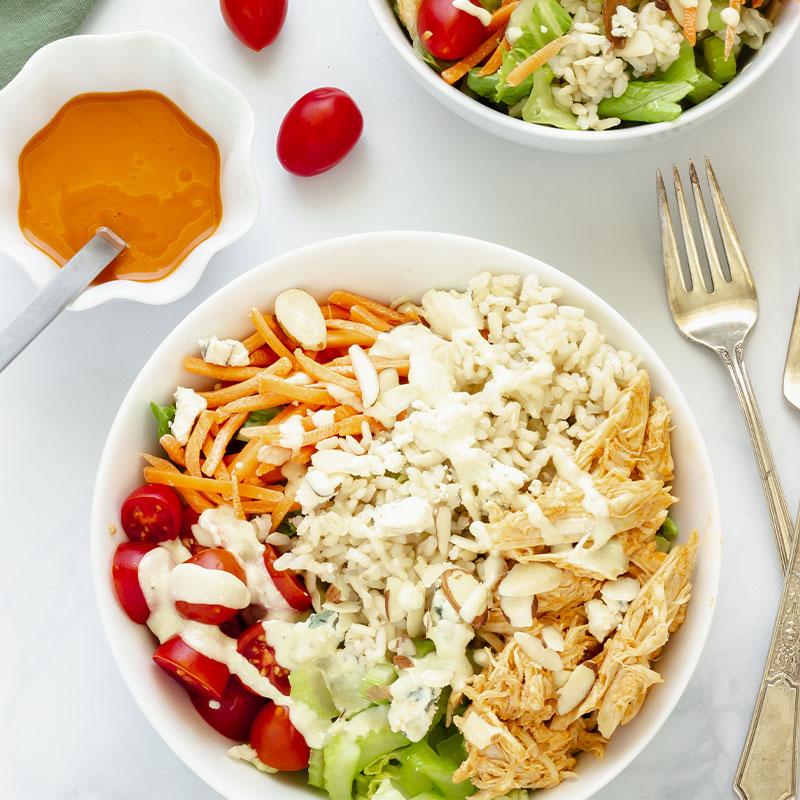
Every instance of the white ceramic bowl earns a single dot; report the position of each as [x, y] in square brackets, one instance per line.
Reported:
[380, 265]
[119, 63]
[548, 138]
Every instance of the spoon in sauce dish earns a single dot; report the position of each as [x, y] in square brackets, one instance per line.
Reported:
[59, 292]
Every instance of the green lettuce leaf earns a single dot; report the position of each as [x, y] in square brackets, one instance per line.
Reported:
[647, 101]
[164, 415]
[540, 106]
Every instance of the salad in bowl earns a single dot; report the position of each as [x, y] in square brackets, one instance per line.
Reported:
[587, 64]
[422, 549]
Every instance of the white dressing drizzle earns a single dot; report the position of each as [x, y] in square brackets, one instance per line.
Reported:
[476, 11]
[192, 583]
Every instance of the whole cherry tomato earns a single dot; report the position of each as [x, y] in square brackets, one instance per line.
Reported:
[215, 558]
[252, 644]
[287, 582]
[318, 131]
[448, 32]
[233, 714]
[125, 577]
[197, 672]
[278, 743]
[256, 23]
[151, 513]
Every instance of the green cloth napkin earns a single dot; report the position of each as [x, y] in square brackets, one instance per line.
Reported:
[27, 25]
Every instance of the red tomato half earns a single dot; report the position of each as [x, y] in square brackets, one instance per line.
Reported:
[151, 513]
[218, 559]
[318, 131]
[233, 715]
[448, 32]
[287, 583]
[252, 644]
[256, 23]
[125, 577]
[278, 743]
[197, 672]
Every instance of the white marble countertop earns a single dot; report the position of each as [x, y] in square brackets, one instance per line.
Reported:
[69, 727]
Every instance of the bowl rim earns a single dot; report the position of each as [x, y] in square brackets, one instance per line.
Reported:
[281, 264]
[534, 134]
[240, 218]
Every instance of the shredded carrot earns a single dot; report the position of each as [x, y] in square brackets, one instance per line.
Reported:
[345, 339]
[253, 342]
[195, 500]
[262, 357]
[282, 509]
[322, 373]
[343, 365]
[196, 441]
[730, 30]
[690, 25]
[219, 397]
[354, 327]
[538, 59]
[495, 60]
[221, 442]
[360, 314]
[199, 367]
[348, 300]
[483, 51]
[268, 335]
[225, 488]
[257, 507]
[173, 449]
[255, 402]
[291, 391]
[332, 311]
[245, 463]
[237, 501]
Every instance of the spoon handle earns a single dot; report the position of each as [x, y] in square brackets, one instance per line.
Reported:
[58, 293]
[768, 766]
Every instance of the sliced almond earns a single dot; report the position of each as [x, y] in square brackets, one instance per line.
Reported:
[444, 522]
[301, 319]
[537, 652]
[622, 590]
[478, 732]
[394, 609]
[527, 579]
[552, 638]
[402, 662]
[575, 690]
[377, 693]
[333, 594]
[518, 611]
[459, 588]
[366, 375]
[388, 378]
[560, 677]
[414, 625]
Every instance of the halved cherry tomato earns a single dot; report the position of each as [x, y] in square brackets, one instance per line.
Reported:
[233, 714]
[252, 644]
[197, 672]
[151, 513]
[125, 577]
[190, 517]
[287, 582]
[318, 131]
[448, 32]
[256, 23]
[278, 743]
[212, 614]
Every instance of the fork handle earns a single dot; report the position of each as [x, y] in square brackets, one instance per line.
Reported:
[776, 502]
[768, 766]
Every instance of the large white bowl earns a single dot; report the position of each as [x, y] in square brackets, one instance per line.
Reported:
[548, 138]
[120, 63]
[381, 265]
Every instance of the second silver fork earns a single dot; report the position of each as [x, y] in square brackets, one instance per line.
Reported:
[720, 316]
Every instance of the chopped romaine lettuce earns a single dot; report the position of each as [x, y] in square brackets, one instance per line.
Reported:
[261, 417]
[164, 415]
[684, 68]
[647, 101]
[540, 106]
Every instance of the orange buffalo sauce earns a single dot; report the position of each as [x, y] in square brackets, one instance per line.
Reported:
[132, 161]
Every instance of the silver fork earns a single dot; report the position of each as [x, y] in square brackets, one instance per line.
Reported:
[719, 317]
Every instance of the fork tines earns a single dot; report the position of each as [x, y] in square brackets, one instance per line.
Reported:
[736, 261]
